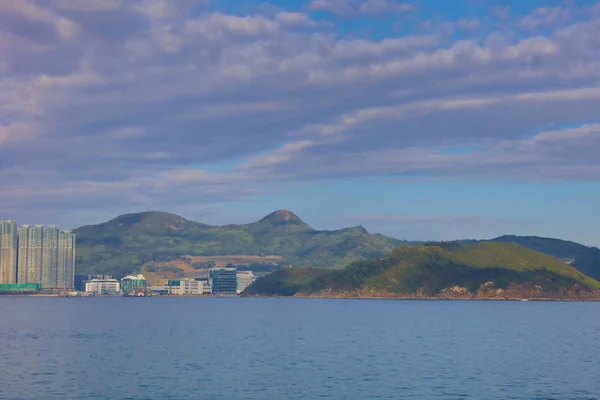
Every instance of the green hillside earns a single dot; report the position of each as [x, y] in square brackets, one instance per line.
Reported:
[585, 259]
[433, 269]
[124, 244]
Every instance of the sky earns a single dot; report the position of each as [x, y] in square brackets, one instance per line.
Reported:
[419, 119]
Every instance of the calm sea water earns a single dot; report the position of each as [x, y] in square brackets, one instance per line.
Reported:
[232, 348]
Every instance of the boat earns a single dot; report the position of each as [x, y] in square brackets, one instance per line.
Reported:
[524, 299]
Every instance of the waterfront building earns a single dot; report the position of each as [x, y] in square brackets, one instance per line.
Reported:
[162, 290]
[132, 285]
[81, 280]
[244, 279]
[16, 288]
[206, 284]
[190, 287]
[182, 287]
[8, 252]
[223, 280]
[103, 286]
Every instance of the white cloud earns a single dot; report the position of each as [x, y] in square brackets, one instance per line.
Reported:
[347, 8]
[368, 49]
[545, 16]
[217, 26]
[337, 7]
[146, 107]
[28, 11]
[17, 132]
[384, 6]
[88, 5]
[292, 18]
[228, 109]
[282, 154]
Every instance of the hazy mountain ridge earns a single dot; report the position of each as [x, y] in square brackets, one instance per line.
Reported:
[479, 270]
[123, 244]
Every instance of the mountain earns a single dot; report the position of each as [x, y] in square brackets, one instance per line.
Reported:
[585, 259]
[444, 270]
[123, 244]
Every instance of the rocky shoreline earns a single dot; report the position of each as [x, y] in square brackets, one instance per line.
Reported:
[514, 293]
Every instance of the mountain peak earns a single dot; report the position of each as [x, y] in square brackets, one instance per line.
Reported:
[283, 217]
[150, 220]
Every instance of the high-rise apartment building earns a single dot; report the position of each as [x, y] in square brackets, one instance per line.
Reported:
[46, 255]
[50, 257]
[30, 253]
[8, 252]
[65, 267]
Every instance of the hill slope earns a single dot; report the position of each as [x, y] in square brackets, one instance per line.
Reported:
[122, 245]
[483, 269]
[585, 259]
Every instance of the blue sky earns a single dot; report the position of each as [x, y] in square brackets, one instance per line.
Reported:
[418, 119]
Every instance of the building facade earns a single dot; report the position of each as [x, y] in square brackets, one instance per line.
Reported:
[183, 287]
[50, 257]
[223, 280]
[134, 285]
[30, 254]
[14, 288]
[103, 286]
[65, 268]
[206, 284]
[46, 255]
[244, 279]
[186, 287]
[8, 252]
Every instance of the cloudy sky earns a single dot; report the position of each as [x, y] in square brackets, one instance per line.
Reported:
[424, 119]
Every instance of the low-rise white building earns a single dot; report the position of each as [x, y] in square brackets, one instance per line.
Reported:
[190, 287]
[183, 287]
[103, 286]
[206, 285]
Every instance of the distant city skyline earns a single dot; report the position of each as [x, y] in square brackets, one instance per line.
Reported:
[37, 254]
[419, 119]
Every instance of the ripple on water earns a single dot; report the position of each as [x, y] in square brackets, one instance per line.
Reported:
[255, 349]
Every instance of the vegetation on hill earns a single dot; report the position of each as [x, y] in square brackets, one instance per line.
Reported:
[585, 259]
[432, 270]
[122, 245]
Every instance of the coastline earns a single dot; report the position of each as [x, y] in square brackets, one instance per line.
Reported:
[353, 297]
[545, 299]
[464, 295]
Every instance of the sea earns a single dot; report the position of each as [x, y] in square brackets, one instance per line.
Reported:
[286, 348]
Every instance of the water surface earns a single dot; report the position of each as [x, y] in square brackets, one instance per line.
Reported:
[258, 349]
